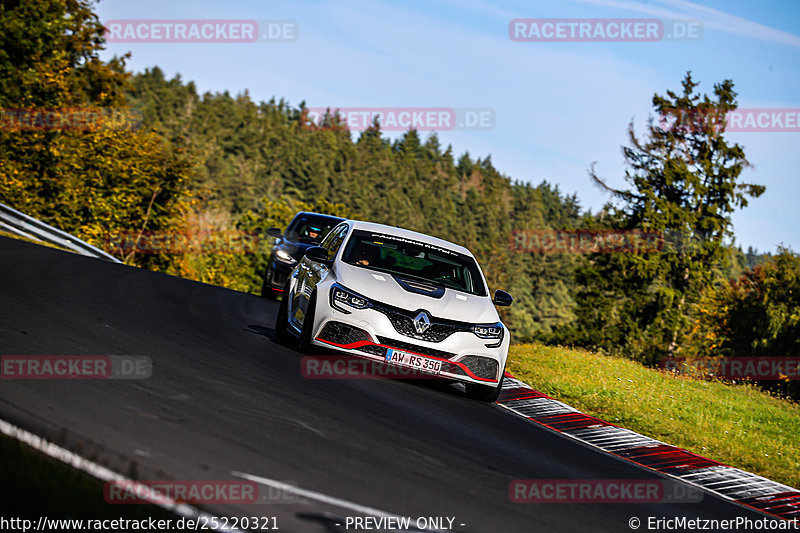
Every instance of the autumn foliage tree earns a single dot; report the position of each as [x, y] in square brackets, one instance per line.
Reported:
[757, 314]
[92, 170]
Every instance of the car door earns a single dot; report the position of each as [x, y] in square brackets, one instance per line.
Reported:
[310, 273]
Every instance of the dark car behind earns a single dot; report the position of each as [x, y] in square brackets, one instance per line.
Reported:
[305, 230]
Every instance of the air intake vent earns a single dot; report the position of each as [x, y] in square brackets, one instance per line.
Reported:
[420, 287]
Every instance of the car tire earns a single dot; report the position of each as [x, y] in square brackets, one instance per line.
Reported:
[484, 393]
[266, 287]
[304, 342]
[282, 321]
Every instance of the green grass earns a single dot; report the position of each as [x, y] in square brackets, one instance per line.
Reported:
[736, 424]
[10, 235]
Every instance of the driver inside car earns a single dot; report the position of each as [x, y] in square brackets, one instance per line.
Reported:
[366, 255]
[313, 233]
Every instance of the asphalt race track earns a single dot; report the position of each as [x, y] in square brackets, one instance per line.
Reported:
[224, 397]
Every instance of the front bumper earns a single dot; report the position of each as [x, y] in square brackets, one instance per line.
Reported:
[369, 333]
[278, 274]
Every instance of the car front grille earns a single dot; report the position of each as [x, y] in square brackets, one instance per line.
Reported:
[380, 351]
[279, 278]
[340, 333]
[400, 345]
[403, 322]
[483, 367]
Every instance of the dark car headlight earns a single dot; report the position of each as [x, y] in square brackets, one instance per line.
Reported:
[342, 297]
[284, 257]
[492, 332]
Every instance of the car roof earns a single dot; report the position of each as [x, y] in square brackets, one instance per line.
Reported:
[408, 234]
[332, 218]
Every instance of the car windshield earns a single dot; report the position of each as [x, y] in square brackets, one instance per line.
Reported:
[416, 260]
[310, 230]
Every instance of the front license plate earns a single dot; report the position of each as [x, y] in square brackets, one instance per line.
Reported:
[396, 357]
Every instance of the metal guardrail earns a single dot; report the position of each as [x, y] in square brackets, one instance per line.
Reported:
[23, 225]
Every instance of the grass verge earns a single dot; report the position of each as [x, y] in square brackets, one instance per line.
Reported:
[10, 235]
[736, 424]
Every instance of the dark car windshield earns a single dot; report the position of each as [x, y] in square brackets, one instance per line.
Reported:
[416, 260]
[310, 229]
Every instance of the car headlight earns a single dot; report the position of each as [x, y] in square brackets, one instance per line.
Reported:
[284, 257]
[341, 297]
[490, 332]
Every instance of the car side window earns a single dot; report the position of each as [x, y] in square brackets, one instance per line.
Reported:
[334, 240]
[326, 242]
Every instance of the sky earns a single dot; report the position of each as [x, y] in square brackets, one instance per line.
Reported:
[556, 108]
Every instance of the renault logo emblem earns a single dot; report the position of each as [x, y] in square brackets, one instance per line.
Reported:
[422, 322]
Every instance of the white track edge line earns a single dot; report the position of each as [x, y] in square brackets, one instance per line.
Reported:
[320, 497]
[97, 471]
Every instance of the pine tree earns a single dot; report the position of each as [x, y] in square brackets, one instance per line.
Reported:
[684, 183]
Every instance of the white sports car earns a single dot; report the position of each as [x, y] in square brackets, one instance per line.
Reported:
[400, 297]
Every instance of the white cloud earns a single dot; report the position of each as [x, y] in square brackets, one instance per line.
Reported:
[712, 18]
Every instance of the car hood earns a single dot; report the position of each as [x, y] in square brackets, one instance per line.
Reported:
[295, 249]
[453, 305]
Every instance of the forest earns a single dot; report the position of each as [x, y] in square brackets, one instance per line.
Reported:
[166, 159]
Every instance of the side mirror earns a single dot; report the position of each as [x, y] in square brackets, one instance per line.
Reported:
[502, 298]
[275, 233]
[319, 254]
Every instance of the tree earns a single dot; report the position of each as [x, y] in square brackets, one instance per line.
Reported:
[94, 176]
[49, 56]
[269, 150]
[684, 183]
[757, 314]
